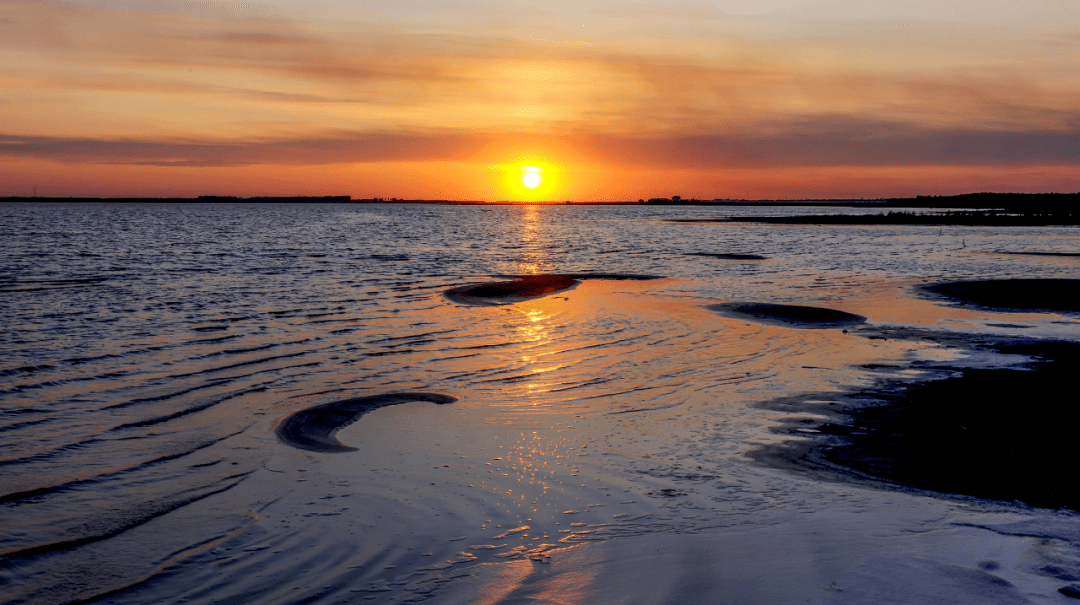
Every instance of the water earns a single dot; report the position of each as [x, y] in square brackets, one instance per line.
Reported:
[149, 350]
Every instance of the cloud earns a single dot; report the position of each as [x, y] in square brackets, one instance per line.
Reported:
[332, 148]
[144, 88]
[846, 141]
[811, 142]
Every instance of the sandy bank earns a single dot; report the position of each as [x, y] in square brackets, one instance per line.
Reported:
[1002, 434]
[314, 428]
[525, 287]
[728, 256]
[791, 316]
[1012, 294]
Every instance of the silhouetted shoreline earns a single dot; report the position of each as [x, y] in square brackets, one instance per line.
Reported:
[1004, 203]
[974, 218]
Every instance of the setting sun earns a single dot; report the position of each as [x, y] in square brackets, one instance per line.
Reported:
[531, 177]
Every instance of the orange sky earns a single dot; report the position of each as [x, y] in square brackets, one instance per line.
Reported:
[610, 101]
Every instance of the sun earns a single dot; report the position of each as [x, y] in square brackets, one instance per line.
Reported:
[530, 177]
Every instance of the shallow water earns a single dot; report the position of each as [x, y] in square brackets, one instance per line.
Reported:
[150, 349]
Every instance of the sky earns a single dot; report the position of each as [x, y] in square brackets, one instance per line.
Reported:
[604, 101]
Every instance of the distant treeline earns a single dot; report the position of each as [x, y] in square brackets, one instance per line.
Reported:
[1026, 203]
[988, 218]
[1058, 205]
[1023, 203]
[202, 199]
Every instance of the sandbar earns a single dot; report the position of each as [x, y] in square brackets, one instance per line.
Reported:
[314, 428]
[981, 218]
[791, 316]
[525, 287]
[728, 256]
[1002, 434]
[1012, 294]
[1059, 254]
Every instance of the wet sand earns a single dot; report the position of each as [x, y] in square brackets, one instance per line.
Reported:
[791, 316]
[596, 454]
[526, 287]
[523, 492]
[314, 428]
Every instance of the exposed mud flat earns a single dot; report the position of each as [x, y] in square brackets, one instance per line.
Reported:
[525, 287]
[314, 428]
[795, 316]
[1013, 294]
[729, 256]
[977, 431]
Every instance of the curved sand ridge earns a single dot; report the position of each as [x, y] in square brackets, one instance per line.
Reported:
[729, 255]
[525, 287]
[1012, 294]
[314, 428]
[791, 316]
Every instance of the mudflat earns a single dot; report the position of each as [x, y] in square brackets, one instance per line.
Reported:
[1012, 294]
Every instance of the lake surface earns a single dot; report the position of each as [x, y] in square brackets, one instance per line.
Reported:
[149, 350]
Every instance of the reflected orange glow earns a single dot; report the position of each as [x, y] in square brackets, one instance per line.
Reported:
[535, 334]
[534, 260]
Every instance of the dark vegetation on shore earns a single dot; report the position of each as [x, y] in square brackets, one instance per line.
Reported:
[974, 209]
[983, 218]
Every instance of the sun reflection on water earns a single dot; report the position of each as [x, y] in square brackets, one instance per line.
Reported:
[535, 333]
[534, 257]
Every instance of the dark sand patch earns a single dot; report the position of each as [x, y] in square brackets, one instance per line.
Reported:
[1001, 434]
[314, 428]
[791, 316]
[524, 287]
[973, 218]
[1063, 254]
[716, 219]
[727, 256]
[1012, 294]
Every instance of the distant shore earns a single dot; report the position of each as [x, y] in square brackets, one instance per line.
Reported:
[1008, 203]
[972, 218]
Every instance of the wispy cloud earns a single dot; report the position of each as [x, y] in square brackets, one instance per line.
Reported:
[178, 85]
[333, 148]
[830, 141]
